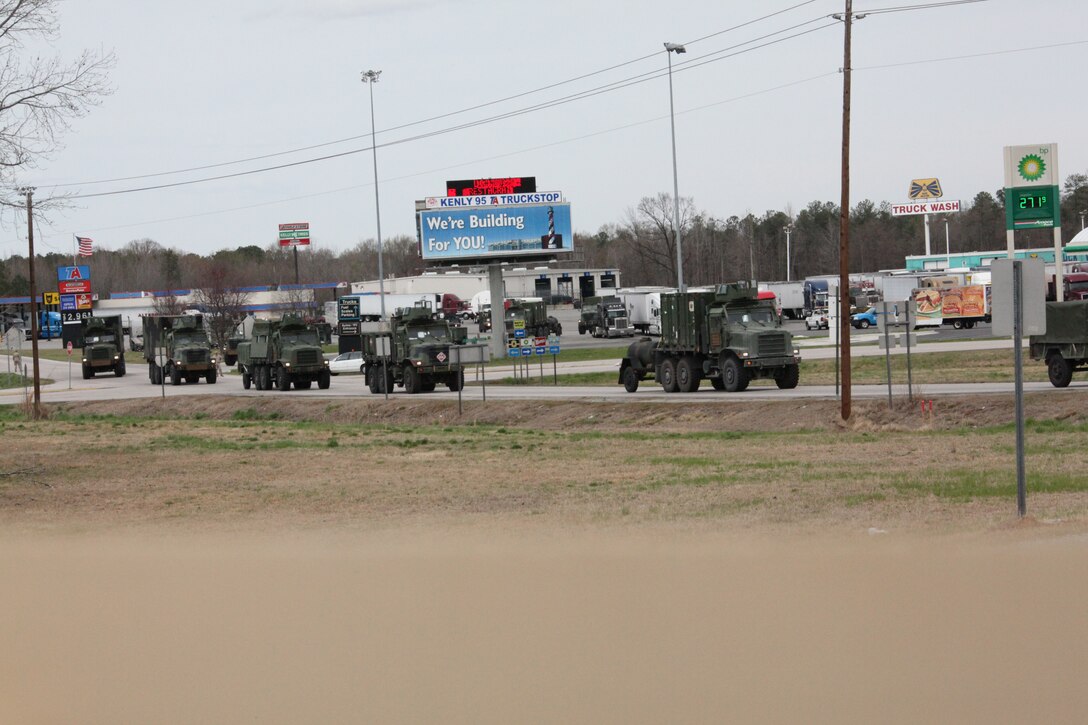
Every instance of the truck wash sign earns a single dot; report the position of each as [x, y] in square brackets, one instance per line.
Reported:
[925, 207]
[495, 231]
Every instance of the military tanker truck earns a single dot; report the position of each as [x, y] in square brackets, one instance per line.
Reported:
[418, 356]
[176, 348]
[281, 353]
[534, 316]
[103, 346]
[727, 336]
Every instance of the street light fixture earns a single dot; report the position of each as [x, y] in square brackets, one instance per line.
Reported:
[787, 229]
[370, 77]
[671, 48]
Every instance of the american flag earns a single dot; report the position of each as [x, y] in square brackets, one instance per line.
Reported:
[84, 246]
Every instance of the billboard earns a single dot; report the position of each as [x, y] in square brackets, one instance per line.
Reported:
[506, 185]
[495, 231]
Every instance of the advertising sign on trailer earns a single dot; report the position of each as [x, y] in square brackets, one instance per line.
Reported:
[496, 231]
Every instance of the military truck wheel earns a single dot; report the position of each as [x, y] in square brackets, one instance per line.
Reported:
[119, 371]
[303, 384]
[734, 376]
[410, 379]
[211, 376]
[1059, 370]
[668, 376]
[687, 377]
[718, 384]
[283, 380]
[456, 381]
[191, 378]
[154, 373]
[88, 373]
[787, 377]
[246, 381]
[175, 375]
[630, 380]
[581, 328]
[323, 379]
[230, 360]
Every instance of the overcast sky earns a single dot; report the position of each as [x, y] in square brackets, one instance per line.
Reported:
[210, 82]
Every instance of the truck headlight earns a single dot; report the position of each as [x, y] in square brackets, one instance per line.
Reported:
[287, 365]
[796, 351]
[744, 354]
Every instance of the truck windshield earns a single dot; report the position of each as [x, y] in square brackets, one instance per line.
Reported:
[306, 337]
[748, 315]
[101, 338]
[438, 332]
[190, 338]
[613, 314]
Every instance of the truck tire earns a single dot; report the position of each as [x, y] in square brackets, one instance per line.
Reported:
[581, 328]
[283, 380]
[211, 376]
[88, 373]
[410, 379]
[734, 376]
[788, 377]
[456, 381]
[668, 375]
[154, 374]
[687, 376]
[1059, 370]
[630, 380]
[119, 369]
[246, 381]
[323, 379]
[230, 360]
[175, 375]
[957, 324]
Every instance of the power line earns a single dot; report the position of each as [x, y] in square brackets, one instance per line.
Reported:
[972, 55]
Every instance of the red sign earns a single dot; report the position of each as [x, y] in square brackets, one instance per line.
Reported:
[477, 187]
[69, 348]
[74, 287]
[83, 302]
[540, 341]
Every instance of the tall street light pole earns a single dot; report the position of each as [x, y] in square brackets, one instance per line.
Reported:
[370, 77]
[787, 229]
[671, 48]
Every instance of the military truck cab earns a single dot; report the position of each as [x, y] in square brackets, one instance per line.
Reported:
[414, 353]
[103, 346]
[281, 354]
[176, 348]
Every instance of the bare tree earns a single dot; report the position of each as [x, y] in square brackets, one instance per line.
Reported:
[39, 97]
[167, 304]
[221, 300]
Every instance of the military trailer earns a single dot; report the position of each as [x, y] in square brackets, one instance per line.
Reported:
[728, 336]
[418, 356]
[103, 346]
[281, 353]
[605, 317]
[1064, 347]
[534, 317]
[176, 348]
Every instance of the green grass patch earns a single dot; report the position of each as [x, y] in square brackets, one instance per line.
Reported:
[967, 485]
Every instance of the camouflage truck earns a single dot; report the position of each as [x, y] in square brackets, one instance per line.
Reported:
[103, 346]
[1064, 347]
[605, 317]
[534, 315]
[281, 353]
[176, 348]
[728, 336]
[419, 353]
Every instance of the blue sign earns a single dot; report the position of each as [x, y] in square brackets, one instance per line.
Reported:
[541, 350]
[553, 349]
[496, 231]
[513, 352]
[72, 274]
[67, 302]
[519, 333]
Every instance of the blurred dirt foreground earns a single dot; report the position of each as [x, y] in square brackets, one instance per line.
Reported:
[320, 561]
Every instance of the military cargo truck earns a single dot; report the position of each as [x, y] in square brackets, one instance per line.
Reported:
[605, 317]
[103, 346]
[534, 315]
[281, 353]
[728, 336]
[419, 353]
[176, 348]
[1064, 347]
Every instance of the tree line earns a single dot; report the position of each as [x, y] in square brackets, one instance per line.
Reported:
[642, 246]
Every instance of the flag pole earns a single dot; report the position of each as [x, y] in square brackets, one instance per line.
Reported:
[75, 244]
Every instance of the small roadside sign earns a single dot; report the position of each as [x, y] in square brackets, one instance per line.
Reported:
[519, 333]
[553, 349]
[50, 298]
[69, 348]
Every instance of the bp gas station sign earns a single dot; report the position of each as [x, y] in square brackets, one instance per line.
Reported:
[1032, 198]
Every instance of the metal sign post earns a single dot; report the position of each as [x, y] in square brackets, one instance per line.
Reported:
[462, 355]
[69, 348]
[383, 346]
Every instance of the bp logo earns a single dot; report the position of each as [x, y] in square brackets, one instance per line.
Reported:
[1031, 167]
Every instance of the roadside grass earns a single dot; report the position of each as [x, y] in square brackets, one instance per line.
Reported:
[62, 356]
[12, 380]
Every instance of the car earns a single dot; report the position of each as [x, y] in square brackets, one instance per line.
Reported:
[816, 321]
[347, 363]
[863, 320]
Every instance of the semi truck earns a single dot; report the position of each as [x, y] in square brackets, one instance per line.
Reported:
[414, 354]
[643, 308]
[728, 336]
[1064, 346]
[605, 317]
[176, 348]
[281, 353]
[790, 296]
[103, 346]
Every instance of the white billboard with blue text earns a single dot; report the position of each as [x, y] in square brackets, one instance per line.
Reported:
[496, 231]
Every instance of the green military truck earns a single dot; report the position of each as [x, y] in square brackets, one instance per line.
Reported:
[1064, 347]
[534, 317]
[176, 348]
[281, 353]
[728, 336]
[605, 317]
[418, 356]
[103, 346]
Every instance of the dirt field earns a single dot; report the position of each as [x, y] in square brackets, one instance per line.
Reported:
[293, 561]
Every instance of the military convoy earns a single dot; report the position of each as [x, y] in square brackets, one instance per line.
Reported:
[414, 353]
[728, 336]
[1064, 346]
[533, 316]
[103, 346]
[605, 317]
[176, 348]
[281, 353]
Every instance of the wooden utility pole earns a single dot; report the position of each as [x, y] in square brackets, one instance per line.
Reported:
[34, 322]
[844, 220]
